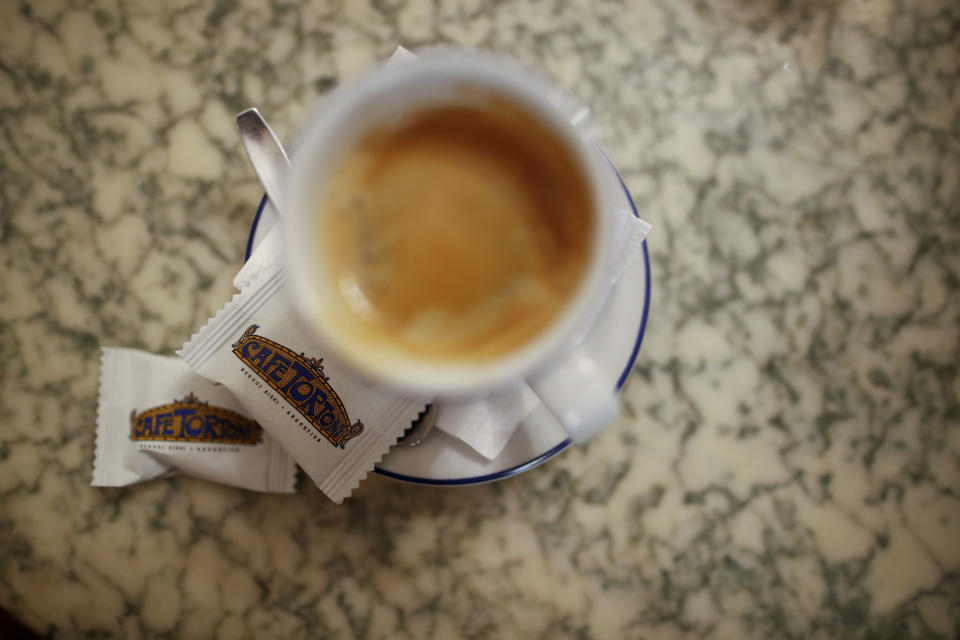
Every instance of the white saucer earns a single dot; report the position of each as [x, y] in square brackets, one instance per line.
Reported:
[614, 340]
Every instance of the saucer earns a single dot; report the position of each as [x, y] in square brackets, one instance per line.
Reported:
[614, 341]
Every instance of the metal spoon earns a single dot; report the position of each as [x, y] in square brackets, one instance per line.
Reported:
[271, 164]
[269, 160]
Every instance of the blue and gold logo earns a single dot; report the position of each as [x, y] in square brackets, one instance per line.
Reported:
[301, 382]
[191, 420]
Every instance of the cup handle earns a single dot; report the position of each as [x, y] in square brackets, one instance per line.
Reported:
[578, 394]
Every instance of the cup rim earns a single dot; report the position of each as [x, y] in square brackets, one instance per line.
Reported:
[332, 121]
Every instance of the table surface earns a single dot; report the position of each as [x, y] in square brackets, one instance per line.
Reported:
[788, 460]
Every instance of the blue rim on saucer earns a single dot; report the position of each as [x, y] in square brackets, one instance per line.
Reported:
[543, 457]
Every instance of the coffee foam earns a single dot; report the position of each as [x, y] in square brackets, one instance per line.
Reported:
[458, 233]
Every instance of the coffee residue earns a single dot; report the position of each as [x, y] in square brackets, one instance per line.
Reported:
[458, 234]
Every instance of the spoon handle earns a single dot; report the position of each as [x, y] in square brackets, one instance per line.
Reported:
[266, 154]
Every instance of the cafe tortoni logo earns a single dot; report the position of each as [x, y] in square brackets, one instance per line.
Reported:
[192, 420]
[301, 382]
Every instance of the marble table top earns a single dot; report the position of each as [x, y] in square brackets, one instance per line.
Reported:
[788, 460]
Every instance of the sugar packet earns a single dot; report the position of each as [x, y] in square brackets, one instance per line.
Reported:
[335, 425]
[156, 417]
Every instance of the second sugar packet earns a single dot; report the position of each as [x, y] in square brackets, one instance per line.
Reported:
[334, 424]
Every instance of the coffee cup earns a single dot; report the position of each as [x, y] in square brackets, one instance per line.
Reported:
[447, 233]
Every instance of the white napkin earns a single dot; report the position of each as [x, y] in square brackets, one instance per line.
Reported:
[487, 424]
[265, 255]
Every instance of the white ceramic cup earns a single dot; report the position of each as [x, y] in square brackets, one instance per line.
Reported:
[565, 377]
